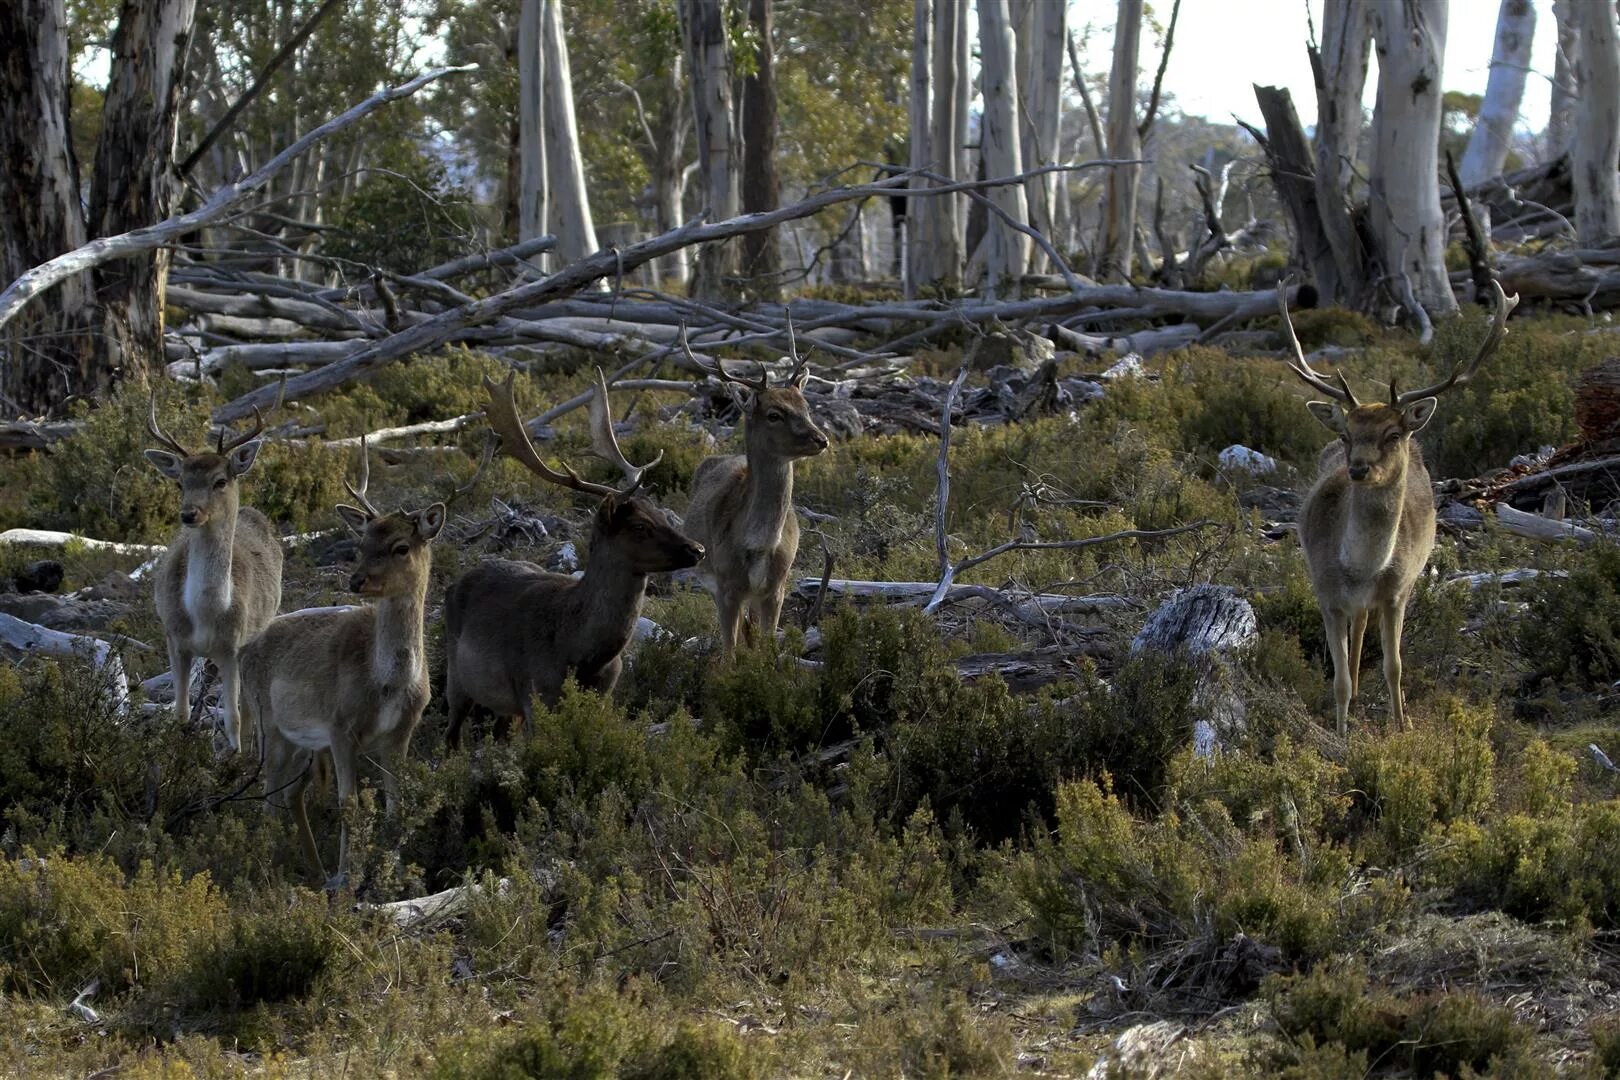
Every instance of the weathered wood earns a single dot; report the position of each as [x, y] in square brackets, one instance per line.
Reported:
[1536, 527]
[1293, 173]
[19, 435]
[1209, 625]
[219, 205]
[1597, 402]
[32, 640]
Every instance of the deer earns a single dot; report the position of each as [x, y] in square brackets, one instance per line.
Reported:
[219, 582]
[515, 632]
[1367, 525]
[349, 680]
[741, 508]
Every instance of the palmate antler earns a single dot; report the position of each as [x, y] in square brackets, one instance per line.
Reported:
[503, 418]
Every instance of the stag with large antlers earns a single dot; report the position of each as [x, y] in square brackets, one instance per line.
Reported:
[350, 680]
[742, 504]
[219, 582]
[514, 632]
[1367, 526]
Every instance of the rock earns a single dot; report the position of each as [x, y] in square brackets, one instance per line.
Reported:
[333, 549]
[565, 560]
[62, 613]
[116, 586]
[838, 417]
[1239, 458]
[1274, 504]
[1127, 366]
[41, 575]
[1017, 349]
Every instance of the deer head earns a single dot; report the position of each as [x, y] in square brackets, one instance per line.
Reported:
[393, 558]
[1377, 435]
[208, 479]
[625, 524]
[779, 421]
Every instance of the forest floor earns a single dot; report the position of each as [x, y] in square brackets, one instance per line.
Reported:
[868, 865]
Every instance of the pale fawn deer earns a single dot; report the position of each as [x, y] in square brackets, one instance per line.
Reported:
[514, 632]
[741, 509]
[352, 681]
[1367, 525]
[219, 582]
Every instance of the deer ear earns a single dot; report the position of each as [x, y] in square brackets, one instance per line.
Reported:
[428, 521]
[166, 463]
[1329, 413]
[354, 517]
[1419, 413]
[243, 457]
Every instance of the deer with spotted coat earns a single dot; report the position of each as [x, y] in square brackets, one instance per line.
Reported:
[741, 509]
[219, 582]
[1367, 525]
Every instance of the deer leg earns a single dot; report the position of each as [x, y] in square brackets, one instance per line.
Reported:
[1391, 621]
[286, 776]
[767, 612]
[1358, 630]
[1337, 624]
[458, 705]
[344, 774]
[230, 700]
[731, 620]
[180, 672]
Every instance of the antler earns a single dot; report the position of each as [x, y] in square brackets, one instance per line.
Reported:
[258, 422]
[157, 432]
[503, 418]
[365, 482]
[719, 369]
[1301, 367]
[1463, 372]
[801, 366]
[478, 473]
[606, 444]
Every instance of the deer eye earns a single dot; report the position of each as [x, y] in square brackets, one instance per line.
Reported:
[219, 485]
[402, 549]
[774, 417]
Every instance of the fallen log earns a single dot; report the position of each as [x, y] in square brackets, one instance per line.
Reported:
[28, 435]
[50, 538]
[1536, 527]
[909, 591]
[30, 639]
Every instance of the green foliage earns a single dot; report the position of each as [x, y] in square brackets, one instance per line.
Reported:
[1575, 633]
[1606, 1046]
[1437, 774]
[404, 219]
[1425, 1034]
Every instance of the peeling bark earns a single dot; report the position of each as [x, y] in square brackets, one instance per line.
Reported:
[1007, 252]
[703, 27]
[1596, 146]
[760, 259]
[1119, 221]
[565, 164]
[1488, 146]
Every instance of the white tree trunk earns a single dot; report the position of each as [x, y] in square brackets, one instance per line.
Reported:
[919, 212]
[1510, 63]
[532, 188]
[1041, 84]
[1007, 251]
[1119, 221]
[1561, 118]
[715, 121]
[1596, 146]
[942, 262]
[1340, 68]
[1404, 193]
[565, 165]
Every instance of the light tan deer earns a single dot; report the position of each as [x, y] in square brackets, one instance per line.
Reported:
[1367, 526]
[513, 631]
[742, 504]
[349, 680]
[219, 582]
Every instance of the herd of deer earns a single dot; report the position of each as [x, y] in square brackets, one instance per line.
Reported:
[353, 681]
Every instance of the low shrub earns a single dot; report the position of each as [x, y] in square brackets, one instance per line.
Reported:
[1576, 631]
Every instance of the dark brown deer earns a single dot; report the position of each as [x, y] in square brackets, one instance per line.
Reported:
[219, 582]
[742, 504]
[349, 680]
[514, 632]
[1367, 526]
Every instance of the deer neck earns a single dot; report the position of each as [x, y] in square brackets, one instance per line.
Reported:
[207, 587]
[770, 498]
[396, 644]
[610, 596]
[1372, 524]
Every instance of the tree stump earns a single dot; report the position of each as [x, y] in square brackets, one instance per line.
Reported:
[1597, 404]
[1208, 625]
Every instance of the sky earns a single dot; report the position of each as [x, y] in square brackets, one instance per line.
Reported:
[1223, 47]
